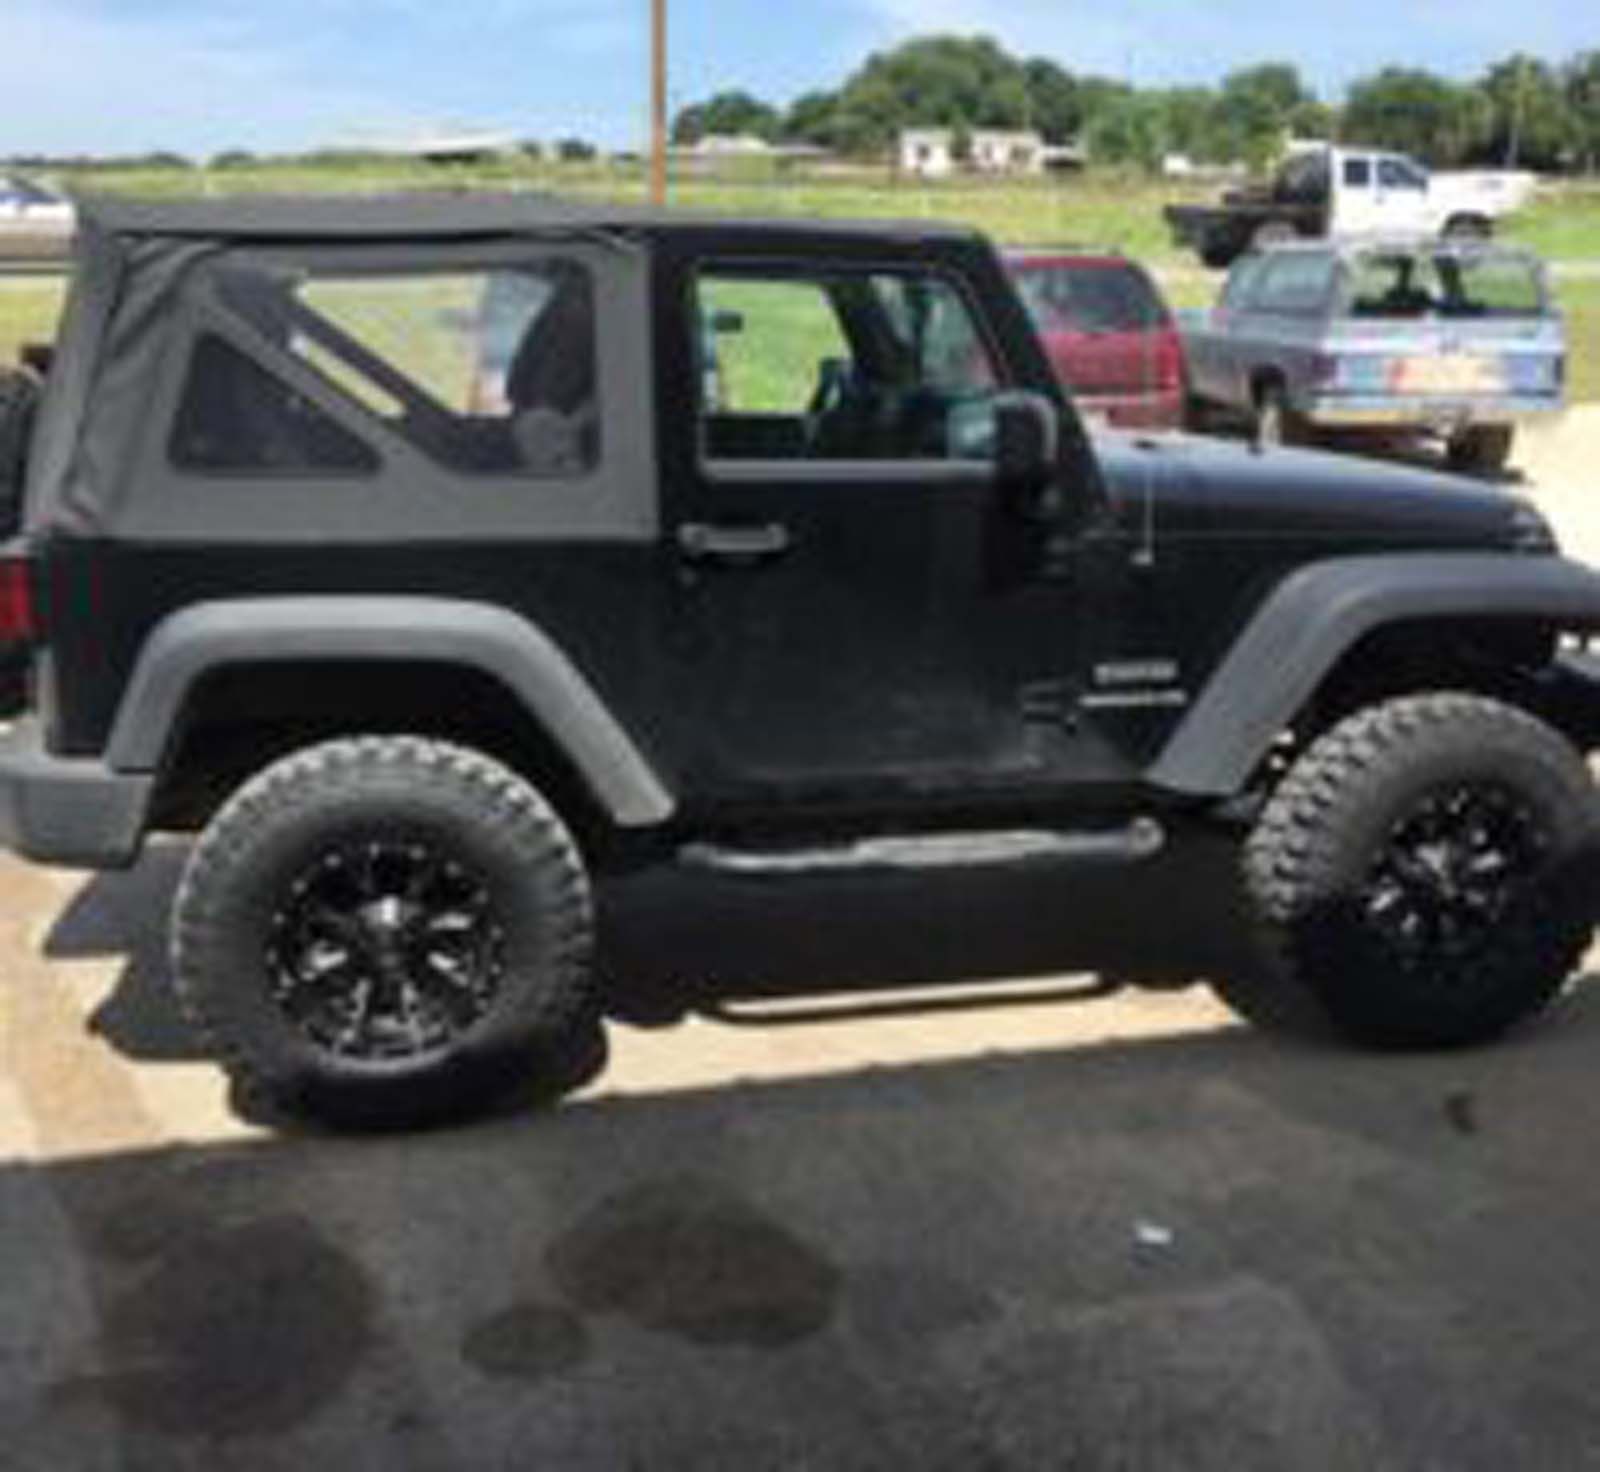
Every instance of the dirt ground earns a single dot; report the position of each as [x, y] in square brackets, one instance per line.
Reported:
[1038, 1226]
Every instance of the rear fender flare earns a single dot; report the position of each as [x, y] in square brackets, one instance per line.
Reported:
[1315, 615]
[188, 645]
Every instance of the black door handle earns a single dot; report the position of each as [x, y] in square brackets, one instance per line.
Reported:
[700, 542]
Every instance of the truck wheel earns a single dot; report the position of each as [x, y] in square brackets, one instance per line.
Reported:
[1276, 423]
[387, 932]
[19, 399]
[1418, 877]
[1469, 228]
[1274, 232]
[1481, 449]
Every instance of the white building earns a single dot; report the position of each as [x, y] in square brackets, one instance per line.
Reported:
[928, 153]
[1007, 151]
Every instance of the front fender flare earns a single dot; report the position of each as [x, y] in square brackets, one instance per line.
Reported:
[190, 644]
[1316, 614]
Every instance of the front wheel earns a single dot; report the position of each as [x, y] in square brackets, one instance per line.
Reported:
[1419, 878]
[387, 932]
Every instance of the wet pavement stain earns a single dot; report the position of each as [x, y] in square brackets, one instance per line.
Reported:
[686, 1258]
[246, 1331]
[530, 1342]
[901, 1304]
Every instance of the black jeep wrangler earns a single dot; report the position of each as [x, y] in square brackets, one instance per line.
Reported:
[438, 559]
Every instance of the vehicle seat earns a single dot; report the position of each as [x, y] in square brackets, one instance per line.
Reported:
[551, 383]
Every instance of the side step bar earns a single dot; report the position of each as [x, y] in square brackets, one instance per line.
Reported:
[1141, 839]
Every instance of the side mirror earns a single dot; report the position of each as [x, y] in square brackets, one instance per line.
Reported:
[1027, 450]
[727, 323]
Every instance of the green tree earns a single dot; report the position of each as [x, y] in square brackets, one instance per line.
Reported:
[1533, 122]
[1131, 131]
[1582, 78]
[811, 118]
[1257, 108]
[1419, 113]
[935, 81]
[1055, 106]
[728, 113]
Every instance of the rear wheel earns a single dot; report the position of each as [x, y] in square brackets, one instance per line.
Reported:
[1420, 876]
[1468, 228]
[388, 932]
[1481, 449]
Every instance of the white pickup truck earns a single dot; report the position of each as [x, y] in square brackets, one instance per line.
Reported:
[1323, 190]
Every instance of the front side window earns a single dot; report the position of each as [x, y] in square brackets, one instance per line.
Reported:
[1399, 173]
[852, 365]
[1358, 173]
[485, 372]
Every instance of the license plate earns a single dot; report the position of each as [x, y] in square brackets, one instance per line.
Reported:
[1450, 375]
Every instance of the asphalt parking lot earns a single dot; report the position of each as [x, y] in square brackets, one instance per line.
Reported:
[1034, 1227]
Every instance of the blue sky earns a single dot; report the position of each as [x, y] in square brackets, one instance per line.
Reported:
[202, 75]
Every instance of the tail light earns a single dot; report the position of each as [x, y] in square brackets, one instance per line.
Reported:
[1169, 362]
[19, 622]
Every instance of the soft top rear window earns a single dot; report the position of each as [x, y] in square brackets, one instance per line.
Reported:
[1099, 297]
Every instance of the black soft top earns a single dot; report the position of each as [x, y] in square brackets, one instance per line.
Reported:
[441, 216]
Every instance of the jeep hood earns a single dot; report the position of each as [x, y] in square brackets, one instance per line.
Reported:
[1215, 487]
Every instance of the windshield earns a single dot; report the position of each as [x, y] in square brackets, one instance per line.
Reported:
[1406, 284]
[1067, 297]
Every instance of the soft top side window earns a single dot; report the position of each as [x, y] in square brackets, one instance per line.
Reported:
[489, 372]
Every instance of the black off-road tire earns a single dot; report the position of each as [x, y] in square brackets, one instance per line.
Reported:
[1481, 449]
[19, 401]
[488, 845]
[1372, 926]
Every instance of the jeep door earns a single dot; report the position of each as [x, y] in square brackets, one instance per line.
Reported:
[859, 618]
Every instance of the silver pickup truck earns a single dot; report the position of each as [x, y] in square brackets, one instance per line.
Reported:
[1456, 340]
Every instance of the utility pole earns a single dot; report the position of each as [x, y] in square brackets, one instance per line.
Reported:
[658, 101]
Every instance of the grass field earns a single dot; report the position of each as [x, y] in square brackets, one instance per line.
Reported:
[1097, 208]
[1093, 209]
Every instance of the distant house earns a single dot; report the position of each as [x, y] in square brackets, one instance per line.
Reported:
[443, 145]
[928, 153]
[715, 150]
[730, 145]
[1002, 151]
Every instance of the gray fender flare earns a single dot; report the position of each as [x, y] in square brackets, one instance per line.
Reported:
[1308, 622]
[190, 644]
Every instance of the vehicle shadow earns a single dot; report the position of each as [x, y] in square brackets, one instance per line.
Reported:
[670, 944]
[1201, 1252]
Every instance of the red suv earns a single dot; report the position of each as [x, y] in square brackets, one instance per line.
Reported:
[1109, 334]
